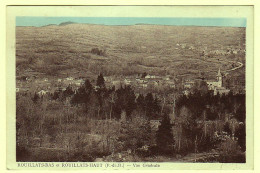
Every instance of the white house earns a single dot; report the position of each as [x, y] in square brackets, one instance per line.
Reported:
[127, 81]
[69, 78]
[189, 84]
[221, 90]
[147, 76]
[45, 79]
[167, 77]
[186, 92]
[144, 85]
[42, 92]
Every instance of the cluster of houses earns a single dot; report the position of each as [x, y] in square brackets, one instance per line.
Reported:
[44, 85]
[223, 52]
[184, 46]
[213, 85]
[149, 81]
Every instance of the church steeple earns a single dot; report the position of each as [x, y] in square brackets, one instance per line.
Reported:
[219, 78]
[219, 73]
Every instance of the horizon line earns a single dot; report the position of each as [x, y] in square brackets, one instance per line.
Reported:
[128, 21]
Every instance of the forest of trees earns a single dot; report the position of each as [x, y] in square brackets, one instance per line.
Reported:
[210, 121]
[95, 121]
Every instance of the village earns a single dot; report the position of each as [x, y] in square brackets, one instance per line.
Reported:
[141, 83]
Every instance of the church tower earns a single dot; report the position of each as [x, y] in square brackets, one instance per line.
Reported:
[219, 78]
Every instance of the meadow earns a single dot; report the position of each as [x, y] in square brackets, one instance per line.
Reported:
[126, 50]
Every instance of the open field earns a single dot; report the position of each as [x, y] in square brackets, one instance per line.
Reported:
[61, 50]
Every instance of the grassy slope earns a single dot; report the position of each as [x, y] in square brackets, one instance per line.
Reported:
[65, 50]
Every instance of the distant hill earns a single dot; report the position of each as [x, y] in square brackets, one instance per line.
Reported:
[49, 25]
[66, 23]
[126, 50]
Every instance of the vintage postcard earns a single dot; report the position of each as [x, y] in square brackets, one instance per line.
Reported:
[130, 87]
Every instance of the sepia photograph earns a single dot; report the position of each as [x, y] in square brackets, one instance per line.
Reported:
[129, 87]
[113, 89]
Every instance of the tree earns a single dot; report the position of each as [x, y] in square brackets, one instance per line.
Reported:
[149, 103]
[140, 101]
[226, 129]
[94, 107]
[68, 92]
[56, 95]
[192, 131]
[241, 113]
[98, 51]
[144, 75]
[134, 134]
[164, 137]
[100, 81]
[130, 101]
[200, 87]
[88, 86]
[82, 94]
[241, 137]
[125, 100]
[111, 99]
[156, 105]
[35, 97]
[203, 87]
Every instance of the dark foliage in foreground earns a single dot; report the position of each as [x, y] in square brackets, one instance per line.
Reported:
[115, 121]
